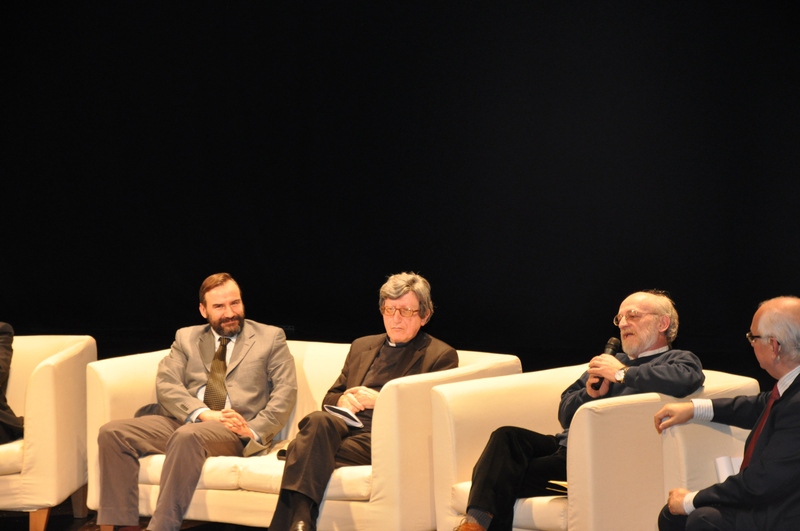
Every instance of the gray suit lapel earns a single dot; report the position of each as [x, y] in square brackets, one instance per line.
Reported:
[207, 344]
[241, 347]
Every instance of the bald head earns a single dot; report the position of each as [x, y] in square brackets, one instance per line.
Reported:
[779, 319]
[647, 320]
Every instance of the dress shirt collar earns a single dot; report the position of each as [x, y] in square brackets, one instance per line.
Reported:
[787, 380]
[650, 352]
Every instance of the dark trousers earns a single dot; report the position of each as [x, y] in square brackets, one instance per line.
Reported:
[323, 444]
[713, 518]
[516, 463]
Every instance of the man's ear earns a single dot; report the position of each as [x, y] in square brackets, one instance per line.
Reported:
[203, 311]
[663, 323]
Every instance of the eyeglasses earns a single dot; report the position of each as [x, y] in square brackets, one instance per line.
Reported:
[630, 316]
[389, 311]
[750, 337]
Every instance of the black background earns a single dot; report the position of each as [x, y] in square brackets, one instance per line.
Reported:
[536, 161]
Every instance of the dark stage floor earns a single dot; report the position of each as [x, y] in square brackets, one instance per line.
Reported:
[61, 520]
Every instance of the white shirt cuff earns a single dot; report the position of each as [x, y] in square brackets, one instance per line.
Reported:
[688, 502]
[703, 409]
[195, 414]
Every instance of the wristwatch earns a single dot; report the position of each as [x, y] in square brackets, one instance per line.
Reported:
[620, 375]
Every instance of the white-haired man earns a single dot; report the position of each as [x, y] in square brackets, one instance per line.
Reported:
[764, 494]
[519, 463]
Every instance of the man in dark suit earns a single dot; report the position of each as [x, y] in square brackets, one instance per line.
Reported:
[764, 494]
[225, 388]
[10, 424]
[325, 441]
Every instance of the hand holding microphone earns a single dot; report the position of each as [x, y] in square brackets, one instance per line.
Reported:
[612, 347]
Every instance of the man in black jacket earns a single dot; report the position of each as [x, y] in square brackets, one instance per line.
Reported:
[326, 441]
[10, 424]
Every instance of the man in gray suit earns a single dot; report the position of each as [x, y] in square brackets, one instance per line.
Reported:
[226, 388]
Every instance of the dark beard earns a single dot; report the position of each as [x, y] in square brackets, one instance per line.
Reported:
[231, 331]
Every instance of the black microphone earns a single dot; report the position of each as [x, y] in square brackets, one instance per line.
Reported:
[612, 347]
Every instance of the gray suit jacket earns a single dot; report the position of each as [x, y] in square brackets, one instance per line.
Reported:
[261, 380]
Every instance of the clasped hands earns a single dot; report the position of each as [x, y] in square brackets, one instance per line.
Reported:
[603, 366]
[229, 418]
[358, 399]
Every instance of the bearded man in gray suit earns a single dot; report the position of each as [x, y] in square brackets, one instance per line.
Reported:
[257, 392]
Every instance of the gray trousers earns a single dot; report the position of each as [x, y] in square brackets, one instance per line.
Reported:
[186, 446]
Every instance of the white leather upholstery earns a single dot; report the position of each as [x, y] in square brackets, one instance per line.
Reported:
[690, 450]
[395, 492]
[47, 385]
[614, 453]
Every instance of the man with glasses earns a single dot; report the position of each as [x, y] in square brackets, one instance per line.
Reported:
[519, 463]
[326, 441]
[764, 494]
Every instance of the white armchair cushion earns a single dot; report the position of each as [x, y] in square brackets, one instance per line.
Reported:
[220, 472]
[11, 457]
[262, 473]
[543, 512]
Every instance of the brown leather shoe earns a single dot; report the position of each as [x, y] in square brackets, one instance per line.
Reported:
[468, 526]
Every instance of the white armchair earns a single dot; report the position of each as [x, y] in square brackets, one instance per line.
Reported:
[614, 450]
[690, 450]
[394, 493]
[47, 385]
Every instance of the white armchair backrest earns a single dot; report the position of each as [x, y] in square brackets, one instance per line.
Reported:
[29, 352]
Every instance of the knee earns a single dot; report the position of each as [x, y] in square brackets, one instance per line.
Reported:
[503, 434]
[109, 433]
[670, 522]
[184, 438]
[321, 425]
[315, 418]
[316, 421]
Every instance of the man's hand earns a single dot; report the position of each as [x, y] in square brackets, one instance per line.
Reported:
[229, 418]
[604, 387]
[675, 501]
[358, 399]
[236, 423]
[673, 414]
[209, 415]
[605, 365]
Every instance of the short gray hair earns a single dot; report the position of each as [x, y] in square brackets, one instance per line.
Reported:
[781, 322]
[398, 285]
[666, 306]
